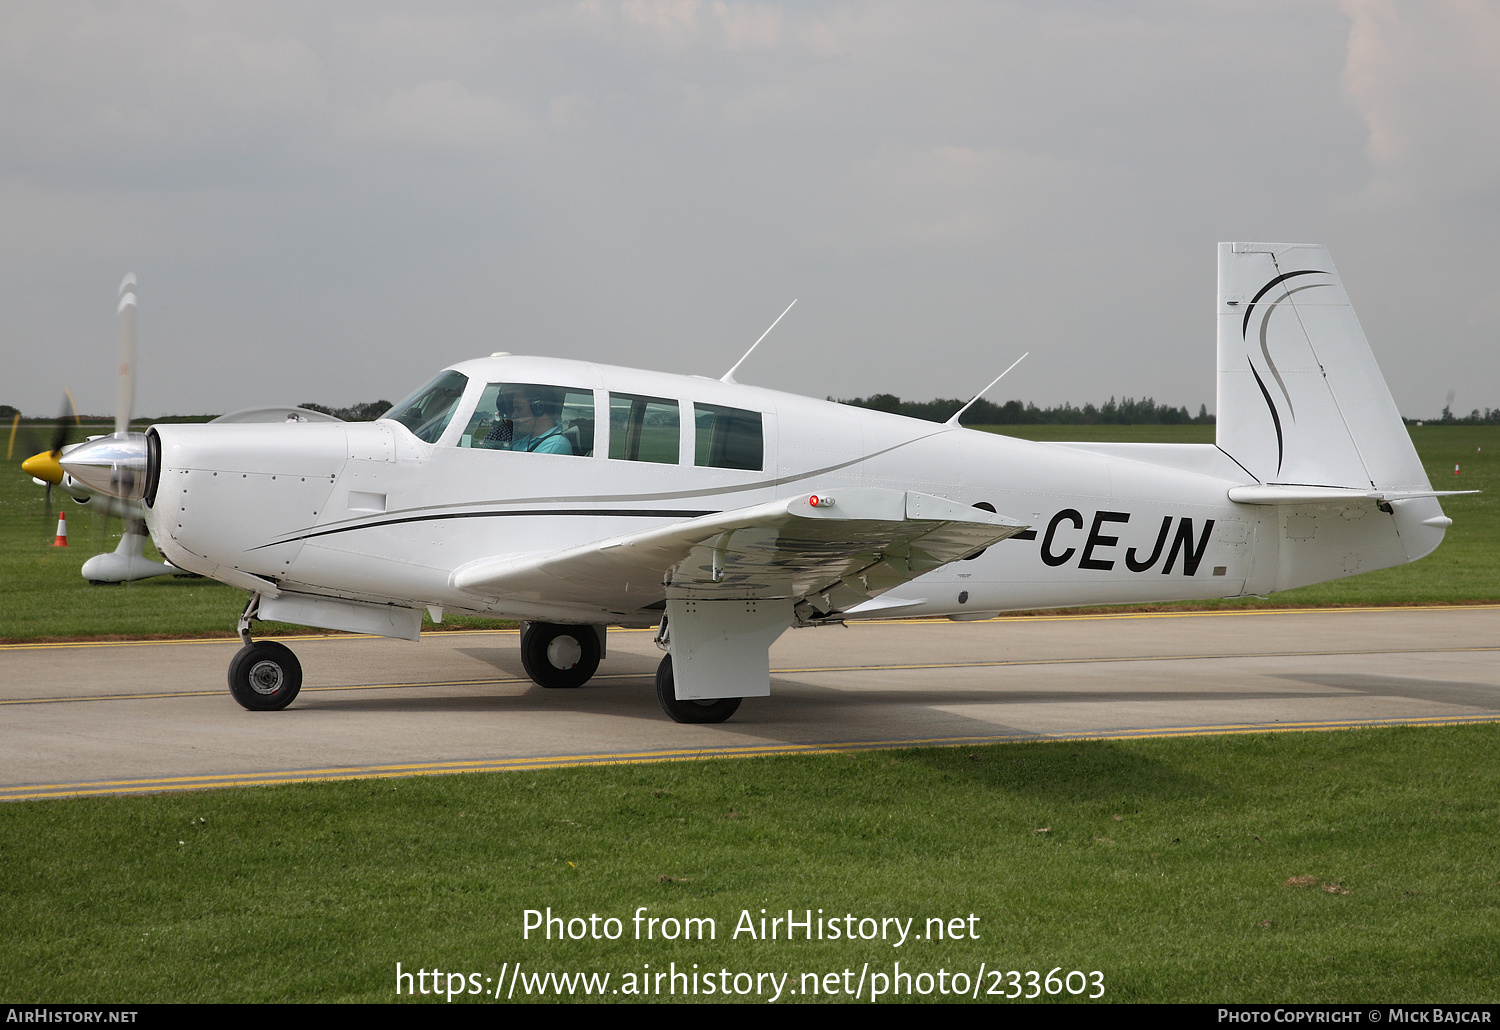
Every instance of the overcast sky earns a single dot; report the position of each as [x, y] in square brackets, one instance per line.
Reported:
[328, 202]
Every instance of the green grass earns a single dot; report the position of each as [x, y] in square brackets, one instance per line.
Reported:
[1163, 865]
[43, 596]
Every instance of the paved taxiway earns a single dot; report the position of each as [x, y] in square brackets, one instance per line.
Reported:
[105, 718]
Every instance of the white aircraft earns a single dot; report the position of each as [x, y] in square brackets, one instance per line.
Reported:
[574, 496]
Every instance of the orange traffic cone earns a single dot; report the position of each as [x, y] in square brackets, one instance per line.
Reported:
[1455, 469]
[62, 530]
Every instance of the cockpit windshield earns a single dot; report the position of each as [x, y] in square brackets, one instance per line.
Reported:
[428, 411]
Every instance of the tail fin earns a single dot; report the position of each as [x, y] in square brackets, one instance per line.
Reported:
[1301, 400]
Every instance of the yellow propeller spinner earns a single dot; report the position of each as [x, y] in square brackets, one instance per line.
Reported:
[44, 466]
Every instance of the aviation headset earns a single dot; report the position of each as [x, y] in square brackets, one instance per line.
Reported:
[538, 406]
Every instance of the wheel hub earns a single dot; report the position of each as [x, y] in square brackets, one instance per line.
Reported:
[266, 677]
[564, 652]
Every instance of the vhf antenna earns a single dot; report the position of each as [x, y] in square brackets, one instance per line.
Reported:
[728, 377]
[954, 420]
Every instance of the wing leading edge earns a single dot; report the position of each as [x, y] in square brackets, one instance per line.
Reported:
[849, 548]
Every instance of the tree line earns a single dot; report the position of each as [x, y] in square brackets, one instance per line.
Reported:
[1129, 412]
[369, 411]
[984, 413]
[1487, 417]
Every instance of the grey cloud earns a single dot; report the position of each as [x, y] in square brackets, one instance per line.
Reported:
[333, 200]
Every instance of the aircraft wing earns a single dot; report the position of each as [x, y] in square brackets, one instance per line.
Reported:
[849, 548]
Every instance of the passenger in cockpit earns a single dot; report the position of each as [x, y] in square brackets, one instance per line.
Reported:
[527, 419]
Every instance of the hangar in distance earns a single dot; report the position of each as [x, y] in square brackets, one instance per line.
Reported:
[574, 496]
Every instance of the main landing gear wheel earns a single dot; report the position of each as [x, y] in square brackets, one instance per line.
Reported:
[714, 710]
[265, 676]
[559, 656]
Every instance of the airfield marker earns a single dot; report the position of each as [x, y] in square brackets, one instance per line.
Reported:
[62, 530]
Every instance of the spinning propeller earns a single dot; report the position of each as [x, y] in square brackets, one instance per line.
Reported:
[107, 474]
[115, 466]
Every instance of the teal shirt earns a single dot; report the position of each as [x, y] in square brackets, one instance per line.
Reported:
[551, 442]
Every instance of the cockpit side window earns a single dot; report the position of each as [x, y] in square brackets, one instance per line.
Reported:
[532, 418]
[428, 411]
[643, 428]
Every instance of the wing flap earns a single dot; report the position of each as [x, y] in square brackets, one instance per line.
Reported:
[864, 542]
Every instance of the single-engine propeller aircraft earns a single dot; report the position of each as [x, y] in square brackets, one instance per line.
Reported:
[574, 496]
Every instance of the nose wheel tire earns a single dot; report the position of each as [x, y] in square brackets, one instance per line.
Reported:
[265, 676]
[559, 656]
[711, 710]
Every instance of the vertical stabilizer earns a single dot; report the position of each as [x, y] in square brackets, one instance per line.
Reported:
[1300, 398]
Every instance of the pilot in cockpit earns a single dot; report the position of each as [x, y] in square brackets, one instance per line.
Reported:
[527, 419]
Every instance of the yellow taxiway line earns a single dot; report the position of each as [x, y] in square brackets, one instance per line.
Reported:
[36, 792]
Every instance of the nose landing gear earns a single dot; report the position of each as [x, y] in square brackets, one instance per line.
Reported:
[264, 676]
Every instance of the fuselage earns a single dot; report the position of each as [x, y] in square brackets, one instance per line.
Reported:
[373, 512]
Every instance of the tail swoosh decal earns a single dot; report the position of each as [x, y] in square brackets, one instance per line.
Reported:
[1265, 351]
[1283, 277]
[1274, 417]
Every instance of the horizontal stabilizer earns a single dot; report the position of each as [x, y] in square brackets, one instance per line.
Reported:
[1281, 494]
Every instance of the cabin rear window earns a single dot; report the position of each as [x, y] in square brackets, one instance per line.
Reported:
[533, 418]
[728, 438]
[643, 428]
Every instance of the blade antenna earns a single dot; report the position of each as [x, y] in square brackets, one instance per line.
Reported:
[728, 377]
[954, 420]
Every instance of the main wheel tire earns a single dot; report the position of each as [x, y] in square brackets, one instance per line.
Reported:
[265, 676]
[559, 656]
[716, 710]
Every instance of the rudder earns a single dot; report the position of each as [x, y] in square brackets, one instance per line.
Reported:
[1300, 397]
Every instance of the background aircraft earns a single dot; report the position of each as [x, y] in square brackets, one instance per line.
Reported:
[575, 496]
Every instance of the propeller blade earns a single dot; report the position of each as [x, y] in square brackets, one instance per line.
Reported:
[102, 525]
[125, 385]
[11, 448]
[60, 431]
